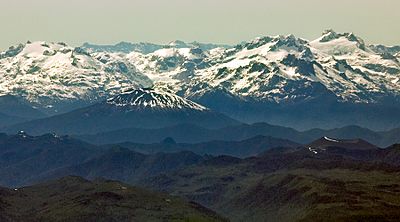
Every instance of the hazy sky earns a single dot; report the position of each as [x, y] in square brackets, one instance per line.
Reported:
[219, 21]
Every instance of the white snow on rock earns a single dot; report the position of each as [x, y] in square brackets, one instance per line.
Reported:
[46, 73]
[279, 69]
[153, 99]
[331, 140]
[313, 150]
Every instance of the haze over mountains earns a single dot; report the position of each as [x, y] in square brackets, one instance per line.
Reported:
[292, 185]
[15, 110]
[27, 159]
[277, 128]
[195, 134]
[333, 81]
[289, 183]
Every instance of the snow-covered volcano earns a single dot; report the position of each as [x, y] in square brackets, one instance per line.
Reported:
[147, 98]
[140, 108]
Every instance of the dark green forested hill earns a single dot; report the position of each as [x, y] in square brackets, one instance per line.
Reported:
[75, 199]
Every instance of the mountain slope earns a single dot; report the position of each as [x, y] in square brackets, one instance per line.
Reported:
[14, 106]
[13, 111]
[288, 69]
[125, 165]
[23, 157]
[285, 80]
[285, 184]
[76, 199]
[244, 148]
[6, 120]
[353, 144]
[142, 108]
[25, 160]
[196, 134]
[291, 185]
[54, 76]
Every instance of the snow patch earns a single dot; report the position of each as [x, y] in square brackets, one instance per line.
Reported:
[312, 150]
[153, 98]
[331, 140]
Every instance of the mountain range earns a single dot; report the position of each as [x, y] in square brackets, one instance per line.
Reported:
[55, 77]
[329, 82]
[331, 181]
[327, 178]
[147, 48]
[243, 148]
[187, 133]
[26, 159]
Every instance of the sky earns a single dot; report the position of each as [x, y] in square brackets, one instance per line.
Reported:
[216, 21]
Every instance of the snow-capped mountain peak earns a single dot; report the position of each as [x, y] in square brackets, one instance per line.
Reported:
[339, 43]
[148, 98]
[46, 74]
[278, 69]
[178, 44]
[330, 35]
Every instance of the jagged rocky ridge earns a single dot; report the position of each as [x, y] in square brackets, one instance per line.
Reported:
[261, 80]
[54, 76]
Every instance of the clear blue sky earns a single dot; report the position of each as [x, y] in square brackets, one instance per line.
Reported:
[219, 21]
